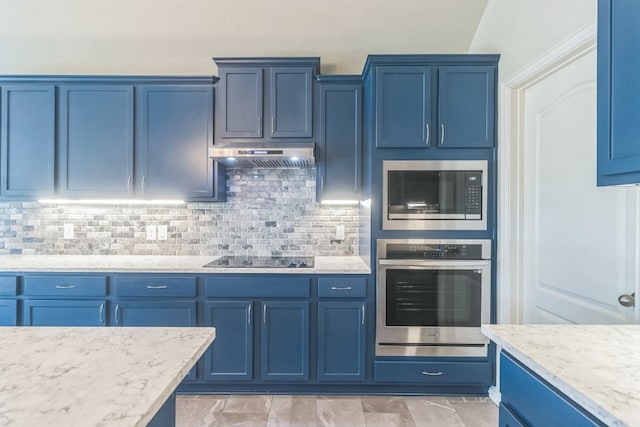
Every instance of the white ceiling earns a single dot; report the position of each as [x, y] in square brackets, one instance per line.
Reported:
[181, 36]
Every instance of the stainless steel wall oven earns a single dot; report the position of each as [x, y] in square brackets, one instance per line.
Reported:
[432, 296]
[434, 195]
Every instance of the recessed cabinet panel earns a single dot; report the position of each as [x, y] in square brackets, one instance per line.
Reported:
[8, 312]
[466, 106]
[285, 341]
[291, 102]
[241, 91]
[97, 140]
[230, 357]
[64, 313]
[403, 101]
[340, 142]
[177, 130]
[27, 125]
[618, 92]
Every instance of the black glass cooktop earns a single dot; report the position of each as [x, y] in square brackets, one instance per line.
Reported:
[261, 262]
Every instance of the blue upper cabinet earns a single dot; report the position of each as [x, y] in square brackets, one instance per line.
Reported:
[618, 150]
[404, 106]
[175, 133]
[266, 99]
[425, 101]
[291, 102]
[466, 106]
[339, 148]
[241, 90]
[27, 127]
[96, 144]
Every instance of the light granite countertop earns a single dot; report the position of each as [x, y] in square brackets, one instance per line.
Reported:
[166, 264]
[598, 366]
[106, 377]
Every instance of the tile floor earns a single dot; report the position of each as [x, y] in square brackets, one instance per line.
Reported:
[335, 411]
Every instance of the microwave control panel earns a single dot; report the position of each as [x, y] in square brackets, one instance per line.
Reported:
[473, 190]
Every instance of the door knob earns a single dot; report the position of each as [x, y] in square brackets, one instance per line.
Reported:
[627, 300]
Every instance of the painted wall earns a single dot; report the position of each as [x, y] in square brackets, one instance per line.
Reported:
[180, 37]
[269, 212]
[522, 30]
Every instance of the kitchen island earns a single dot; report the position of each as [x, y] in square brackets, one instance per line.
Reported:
[587, 371]
[94, 376]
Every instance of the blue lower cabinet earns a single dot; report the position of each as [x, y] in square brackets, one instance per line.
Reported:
[533, 401]
[508, 419]
[156, 313]
[8, 312]
[64, 313]
[432, 373]
[341, 341]
[285, 341]
[230, 357]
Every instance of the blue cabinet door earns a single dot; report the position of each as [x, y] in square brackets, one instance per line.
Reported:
[618, 150]
[466, 106]
[8, 312]
[96, 144]
[172, 152]
[404, 106]
[341, 341]
[291, 102]
[230, 357]
[156, 313]
[285, 341]
[241, 91]
[64, 313]
[339, 148]
[27, 125]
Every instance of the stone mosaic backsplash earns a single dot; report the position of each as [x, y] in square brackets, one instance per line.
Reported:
[269, 212]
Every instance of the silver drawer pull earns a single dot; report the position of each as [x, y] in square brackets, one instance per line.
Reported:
[65, 286]
[432, 374]
[157, 286]
[341, 288]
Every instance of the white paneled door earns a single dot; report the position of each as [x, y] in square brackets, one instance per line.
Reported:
[578, 252]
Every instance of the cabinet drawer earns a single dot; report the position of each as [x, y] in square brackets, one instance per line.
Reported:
[65, 285]
[508, 418]
[258, 287]
[156, 286]
[342, 287]
[535, 401]
[7, 285]
[432, 372]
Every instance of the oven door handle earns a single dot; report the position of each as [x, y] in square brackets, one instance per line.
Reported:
[433, 263]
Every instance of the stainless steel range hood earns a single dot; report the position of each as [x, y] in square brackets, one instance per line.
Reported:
[282, 155]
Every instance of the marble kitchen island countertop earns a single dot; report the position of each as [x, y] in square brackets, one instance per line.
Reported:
[595, 365]
[166, 264]
[110, 377]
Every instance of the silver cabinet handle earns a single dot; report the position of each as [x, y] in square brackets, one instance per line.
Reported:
[341, 288]
[442, 134]
[143, 190]
[65, 286]
[627, 300]
[102, 314]
[259, 124]
[432, 374]
[249, 313]
[116, 314]
[129, 184]
[428, 134]
[363, 314]
[157, 286]
[264, 313]
[273, 124]
[322, 183]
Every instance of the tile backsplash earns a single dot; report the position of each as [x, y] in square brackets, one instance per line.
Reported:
[268, 212]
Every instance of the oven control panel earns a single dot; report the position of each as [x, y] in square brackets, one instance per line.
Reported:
[411, 249]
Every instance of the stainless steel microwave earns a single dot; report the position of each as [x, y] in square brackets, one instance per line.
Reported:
[434, 195]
